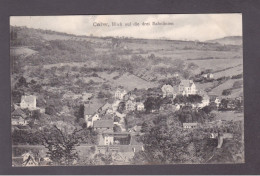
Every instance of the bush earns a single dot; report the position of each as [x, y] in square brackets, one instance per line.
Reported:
[116, 77]
[226, 92]
[16, 96]
[152, 103]
[237, 76]
[121, 107]
[187, 99]
[117, 119]
[207, 109]
[95, 75]
[102, 94]
[130, 121]
[26, 137]
[117, 128]
[50, 110]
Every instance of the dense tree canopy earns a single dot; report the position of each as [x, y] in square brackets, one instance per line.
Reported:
[191, 99]
[167, 143]
[61, 146]
[152, 103]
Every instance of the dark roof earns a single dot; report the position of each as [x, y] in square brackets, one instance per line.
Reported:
[103, 124]
[19, 112]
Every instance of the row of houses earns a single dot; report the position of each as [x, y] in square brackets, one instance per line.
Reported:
[94, 110]
[186, 87]
[132, 106]
[130, 103]
[101, 117]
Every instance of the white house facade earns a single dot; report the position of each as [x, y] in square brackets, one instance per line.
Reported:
[140, 106]
[168, 90]
[205, 101]
[119, 94]
[187, 87]
[91, 119]
[28, 102]
[130, 105]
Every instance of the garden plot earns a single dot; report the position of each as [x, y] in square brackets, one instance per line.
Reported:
[127, 80]
[226, 85]
[236, 70]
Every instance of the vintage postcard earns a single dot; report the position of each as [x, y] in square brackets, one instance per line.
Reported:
[127, 89]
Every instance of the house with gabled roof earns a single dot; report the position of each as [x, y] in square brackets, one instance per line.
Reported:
[29, 160]
[120, 93]
[91, 112]
[28, 102]
[208, 76]
[107, 109]
[130, 105]
[187, 87]
[107, 137]
[90, 121]
[19, 118]
[103, 124]
[215, 99]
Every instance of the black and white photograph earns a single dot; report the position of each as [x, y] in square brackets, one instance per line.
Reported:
[153, 89]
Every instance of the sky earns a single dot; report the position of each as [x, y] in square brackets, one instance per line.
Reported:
[200, 27]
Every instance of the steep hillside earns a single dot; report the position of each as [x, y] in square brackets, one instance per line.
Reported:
[151, 61]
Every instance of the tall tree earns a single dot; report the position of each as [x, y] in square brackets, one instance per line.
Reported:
[79, 113]
[61, 145]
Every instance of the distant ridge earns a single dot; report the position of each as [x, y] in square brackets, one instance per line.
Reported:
[230, 40]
